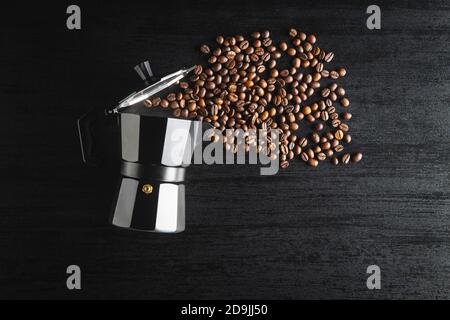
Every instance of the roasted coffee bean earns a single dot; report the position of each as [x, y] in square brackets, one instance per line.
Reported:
[293, 126]
[283, 46]
[259, 51]
[222, 59]
[347, 138]
[304, 156]
[313, 162]
[333, 86]
[326, 145]
[329, 56]
[192, 106]
[329, 153]
[284, 73]
[290, 155]
[267, 42]
[334, 75]
[324, 115]
[357, 157]
[284, 164]
[325, 73]
[311, 39]
[342, 72]
[318, 127]
[329, 136]
[291, 52]
[176, 112]
[292, 32]
[307, 110]
[198, 69]
[344, 127]
[156, 101]
[171, 97]
[302, 36]
[346, 158]
[339, 134]
[212, 59]
[319, 67]
[339, 148]
[347, 115]
[284, 149]
[296, 63]
[233, 97]
[307, 46]
[219, 39]
[310, 118]
[334, 143]
[335, 161]
[321, 156]
[325, 92]
[205, 49]
[345, 102]
[310, 153]
[333, 96]
[315, 138]
[148, 103]
[184, 85]
[264, 116]
[164, 103]
[244, 45]
[335, 123]
[340, 91]
[172, 104]
[303, 142]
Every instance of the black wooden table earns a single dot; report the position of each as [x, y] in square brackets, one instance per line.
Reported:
[304, 233]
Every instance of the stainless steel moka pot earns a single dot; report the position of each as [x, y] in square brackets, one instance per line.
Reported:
[154, 152]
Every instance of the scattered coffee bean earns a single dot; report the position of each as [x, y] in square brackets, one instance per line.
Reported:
[292, 32]
[347, 115]
[345, 102]
[313, 162]
[205, 49]
[304, 156]
[148, 103]
[346, 158]
[242, 86]
[357, 157]
[347, 138]
[342, 72]
[325, 92]
[339, 134]
[220, 39]
[284, 164]
[329, 56]
[156, 101]
[172, 104]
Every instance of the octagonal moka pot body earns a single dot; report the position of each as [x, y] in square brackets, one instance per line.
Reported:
[155, 152]
[154, 149]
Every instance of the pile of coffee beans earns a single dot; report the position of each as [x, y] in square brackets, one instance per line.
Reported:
[255, 83]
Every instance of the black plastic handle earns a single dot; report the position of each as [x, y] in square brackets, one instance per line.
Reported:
[85, 128]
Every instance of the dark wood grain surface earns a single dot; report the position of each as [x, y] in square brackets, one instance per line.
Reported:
[300, 234]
